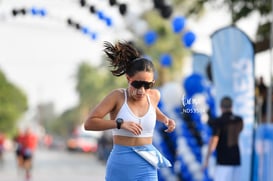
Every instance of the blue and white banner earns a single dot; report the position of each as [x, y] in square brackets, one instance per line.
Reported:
[263, 155]
[233, 75]
[200, 63]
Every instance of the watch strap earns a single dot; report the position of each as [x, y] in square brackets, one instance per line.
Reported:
[119, 121]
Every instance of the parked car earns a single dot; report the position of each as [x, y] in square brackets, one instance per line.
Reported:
[83, 141]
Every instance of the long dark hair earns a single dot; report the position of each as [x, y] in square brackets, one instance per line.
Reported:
[125, 59]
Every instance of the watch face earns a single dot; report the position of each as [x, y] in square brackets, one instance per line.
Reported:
[119, 120]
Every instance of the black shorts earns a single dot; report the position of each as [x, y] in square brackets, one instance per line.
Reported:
[27, 154]
[19, 152]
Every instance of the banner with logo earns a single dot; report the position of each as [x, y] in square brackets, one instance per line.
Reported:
[263, 155]
[233, 75]
[200, 63]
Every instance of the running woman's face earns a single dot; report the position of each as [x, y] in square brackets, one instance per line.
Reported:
[140, 83]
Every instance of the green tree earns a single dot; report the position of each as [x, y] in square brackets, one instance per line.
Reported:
[13, 103]
[93, 83]
[65, 123]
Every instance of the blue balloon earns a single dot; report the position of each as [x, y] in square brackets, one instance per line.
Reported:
[43, 12]
[85, 30]
[193, 84]
[166, 60]
[93, 36]
[100, 15]
[178, 24]
[108, 21]
[34, 11]
[188, 39]
[160, 104]
[150, 37]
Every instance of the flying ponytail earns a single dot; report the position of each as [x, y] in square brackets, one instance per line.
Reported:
[125, 59]
[120, 56]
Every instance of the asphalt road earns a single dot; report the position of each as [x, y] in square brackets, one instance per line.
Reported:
[54, 165]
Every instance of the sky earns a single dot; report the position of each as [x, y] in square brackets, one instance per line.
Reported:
[41, 54]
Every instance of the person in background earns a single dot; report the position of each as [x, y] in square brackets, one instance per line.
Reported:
[133, 115]
[105, 145]
[262, 98]
[225, 140]
[47, 141]
[18, 140]
[29, 146]
[2, 148]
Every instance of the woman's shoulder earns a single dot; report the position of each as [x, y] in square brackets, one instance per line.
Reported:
[154, 95]
[155, 92]
[114, 97]
[119, 92]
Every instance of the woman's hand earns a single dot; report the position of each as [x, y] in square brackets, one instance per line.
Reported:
[170, 123]
[133, 127]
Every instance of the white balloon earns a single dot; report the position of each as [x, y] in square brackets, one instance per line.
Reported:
[131, 18]
[177, 165]
[198, 176]
[194, 167]
[199, 101]
[181, 141]
[171, 94]
[140, 27]
[188, 157]
[201, 106]
[182, 150]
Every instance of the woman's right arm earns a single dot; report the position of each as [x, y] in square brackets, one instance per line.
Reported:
[96, 119]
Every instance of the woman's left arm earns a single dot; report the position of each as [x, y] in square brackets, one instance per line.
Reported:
[170, 123]
[160, 116]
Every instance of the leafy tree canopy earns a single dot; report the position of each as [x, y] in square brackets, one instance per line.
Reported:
[92, 84]
[13, 103]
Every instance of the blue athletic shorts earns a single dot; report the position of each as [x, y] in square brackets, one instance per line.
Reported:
[124, 164]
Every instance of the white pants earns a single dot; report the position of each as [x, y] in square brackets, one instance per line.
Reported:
[227, 173]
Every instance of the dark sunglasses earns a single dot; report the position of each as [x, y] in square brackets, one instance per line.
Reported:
[138, 84]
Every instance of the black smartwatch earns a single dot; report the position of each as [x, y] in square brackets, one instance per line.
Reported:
[119, 121]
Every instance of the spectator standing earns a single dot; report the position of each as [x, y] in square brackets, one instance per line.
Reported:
[262, 97]
[225, 140]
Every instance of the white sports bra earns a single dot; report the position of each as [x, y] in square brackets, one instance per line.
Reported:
[147, 121]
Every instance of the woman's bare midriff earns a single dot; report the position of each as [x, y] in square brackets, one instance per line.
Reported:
[132, 141]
